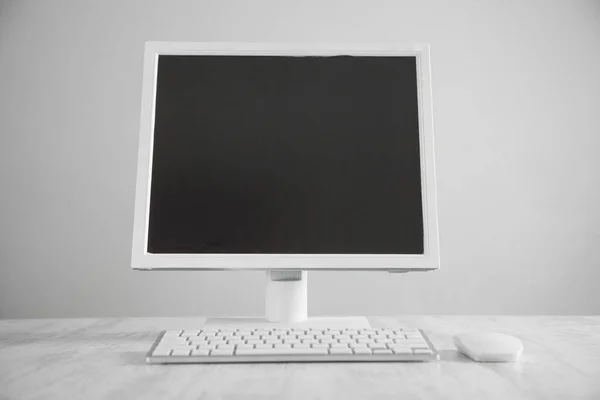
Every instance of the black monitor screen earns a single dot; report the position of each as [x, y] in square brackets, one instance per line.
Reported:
[286, 155]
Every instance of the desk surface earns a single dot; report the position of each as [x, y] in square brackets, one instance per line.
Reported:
[104, 359]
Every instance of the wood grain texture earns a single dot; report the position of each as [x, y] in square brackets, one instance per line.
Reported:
[104, 359]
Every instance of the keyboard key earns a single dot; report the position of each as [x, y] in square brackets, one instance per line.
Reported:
[222, 352]
[377, 346]
[301, 346]
[200, 352]
[179, 339]
[161, 352]
[264, 346]
[362, 350]
[182, 347]
[340, 350]
[179, 345]
[398, 346]
[339, 345]
[382, 351]
[366, 331]
[325, 336]
[412, 334]
[328, 340]
[174, 343]
[181, 352]
[292, 351]
[320, 345]
[402, 351]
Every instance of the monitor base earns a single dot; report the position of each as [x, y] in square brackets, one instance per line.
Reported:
[312, 322]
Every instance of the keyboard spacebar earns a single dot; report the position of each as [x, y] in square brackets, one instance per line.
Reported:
[280, 352]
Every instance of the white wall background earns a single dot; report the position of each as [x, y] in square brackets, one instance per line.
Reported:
[517, 119]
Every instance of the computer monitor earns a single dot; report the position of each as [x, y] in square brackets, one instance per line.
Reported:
[286, 158]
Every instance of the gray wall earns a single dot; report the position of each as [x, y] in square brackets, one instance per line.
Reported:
[516, 103]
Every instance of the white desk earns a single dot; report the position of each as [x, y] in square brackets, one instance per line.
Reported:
[104, 359]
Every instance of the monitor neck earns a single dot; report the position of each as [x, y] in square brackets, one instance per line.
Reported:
[286, 296]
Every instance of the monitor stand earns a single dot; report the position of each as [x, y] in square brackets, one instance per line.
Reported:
[286, 303]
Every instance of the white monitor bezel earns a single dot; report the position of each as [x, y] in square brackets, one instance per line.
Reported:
[141, 259]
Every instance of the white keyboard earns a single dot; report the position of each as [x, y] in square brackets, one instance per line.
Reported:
[228, 345]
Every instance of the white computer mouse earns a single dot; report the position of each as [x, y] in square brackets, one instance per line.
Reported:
[489, 346]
